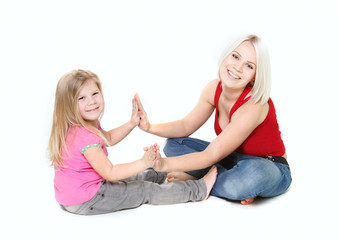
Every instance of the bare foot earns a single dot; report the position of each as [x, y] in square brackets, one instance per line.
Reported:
[179, 176]
[247, 201]
[210, 179]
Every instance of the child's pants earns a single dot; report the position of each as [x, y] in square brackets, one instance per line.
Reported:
[140, 189]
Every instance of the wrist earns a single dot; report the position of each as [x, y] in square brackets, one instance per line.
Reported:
[132, 124]
[143, 164]
[145, 128]
[148, 129]
[164, 165]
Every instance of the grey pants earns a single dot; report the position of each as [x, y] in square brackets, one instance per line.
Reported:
[143, 188]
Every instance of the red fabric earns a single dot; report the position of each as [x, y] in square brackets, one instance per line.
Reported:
[266, 139]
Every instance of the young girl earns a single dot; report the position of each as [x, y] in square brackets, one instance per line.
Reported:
[85, 180]
[249, 151]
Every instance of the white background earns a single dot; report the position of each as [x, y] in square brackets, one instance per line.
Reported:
[166, 51]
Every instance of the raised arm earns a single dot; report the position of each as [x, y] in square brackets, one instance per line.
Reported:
[114, 136]
[187, 125]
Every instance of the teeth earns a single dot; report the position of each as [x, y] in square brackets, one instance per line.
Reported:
[233, 75]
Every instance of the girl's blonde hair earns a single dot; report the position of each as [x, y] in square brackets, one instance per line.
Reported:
[66, 111]
[262, 85]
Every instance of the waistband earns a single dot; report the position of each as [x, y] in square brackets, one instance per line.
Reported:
[277, 159]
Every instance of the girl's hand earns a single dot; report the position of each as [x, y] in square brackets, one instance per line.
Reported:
[135, 119]
[149, 156]
[159, 162]
[144, 123]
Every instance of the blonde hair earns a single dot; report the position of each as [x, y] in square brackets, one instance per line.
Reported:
[66, 111]
[262, 85]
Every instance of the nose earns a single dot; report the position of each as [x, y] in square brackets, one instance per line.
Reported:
[239, 67]
[91, 101]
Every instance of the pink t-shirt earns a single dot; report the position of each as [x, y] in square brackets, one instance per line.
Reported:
[76, 181]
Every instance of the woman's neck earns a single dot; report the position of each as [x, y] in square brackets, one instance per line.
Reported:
[231, 95]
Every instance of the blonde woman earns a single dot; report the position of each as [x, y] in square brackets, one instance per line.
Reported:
[86, 182]
[248, 150]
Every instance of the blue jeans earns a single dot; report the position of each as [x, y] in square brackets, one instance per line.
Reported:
[239, 176]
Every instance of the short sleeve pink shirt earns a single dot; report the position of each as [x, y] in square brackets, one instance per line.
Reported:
[76, 181]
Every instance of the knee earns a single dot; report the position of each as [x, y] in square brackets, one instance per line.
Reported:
[250, 180]
[171, 147]
[167, 147]
[233, 190]
[235, 186]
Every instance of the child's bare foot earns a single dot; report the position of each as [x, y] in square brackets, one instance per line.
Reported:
[179, 176]
[247, 201]
[210, 179]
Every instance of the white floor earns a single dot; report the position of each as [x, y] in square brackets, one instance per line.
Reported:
[167, 52]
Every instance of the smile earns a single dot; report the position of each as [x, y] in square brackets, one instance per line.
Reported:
[93, 110]
[233, 75]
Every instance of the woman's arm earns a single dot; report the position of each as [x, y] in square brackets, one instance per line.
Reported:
[114, 136]
[102, 165]
[189, 124]
[243, 122]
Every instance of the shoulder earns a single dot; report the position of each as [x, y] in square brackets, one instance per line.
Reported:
[83, 136]
[212, 85]
[251, 112]
[208, 93]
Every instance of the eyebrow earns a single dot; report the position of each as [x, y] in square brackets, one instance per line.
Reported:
[241, 56]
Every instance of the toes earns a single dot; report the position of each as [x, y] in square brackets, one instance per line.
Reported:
[247, 201]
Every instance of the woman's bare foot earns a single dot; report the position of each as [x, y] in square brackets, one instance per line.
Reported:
[179, 176]
[247, 201]
[210, 179]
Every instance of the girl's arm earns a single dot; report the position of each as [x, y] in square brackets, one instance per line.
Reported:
[243, 122]
[114, 136]
[189, 124]
[102, 165]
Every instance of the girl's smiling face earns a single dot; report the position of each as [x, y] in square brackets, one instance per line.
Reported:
[90, 102]
[239, 68]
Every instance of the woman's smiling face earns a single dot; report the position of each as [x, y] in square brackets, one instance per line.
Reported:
[239, 68]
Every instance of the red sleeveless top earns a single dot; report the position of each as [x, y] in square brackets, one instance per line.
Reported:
[265, 140]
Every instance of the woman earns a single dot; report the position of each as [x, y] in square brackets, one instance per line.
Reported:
[248, 150]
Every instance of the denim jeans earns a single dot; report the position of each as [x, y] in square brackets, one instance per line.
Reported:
[145, 187]
[239, 176]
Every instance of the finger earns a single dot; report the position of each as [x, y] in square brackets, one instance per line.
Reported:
[138, 100]
[135, 108]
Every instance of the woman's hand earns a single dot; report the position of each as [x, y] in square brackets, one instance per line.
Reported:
[144, 123]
